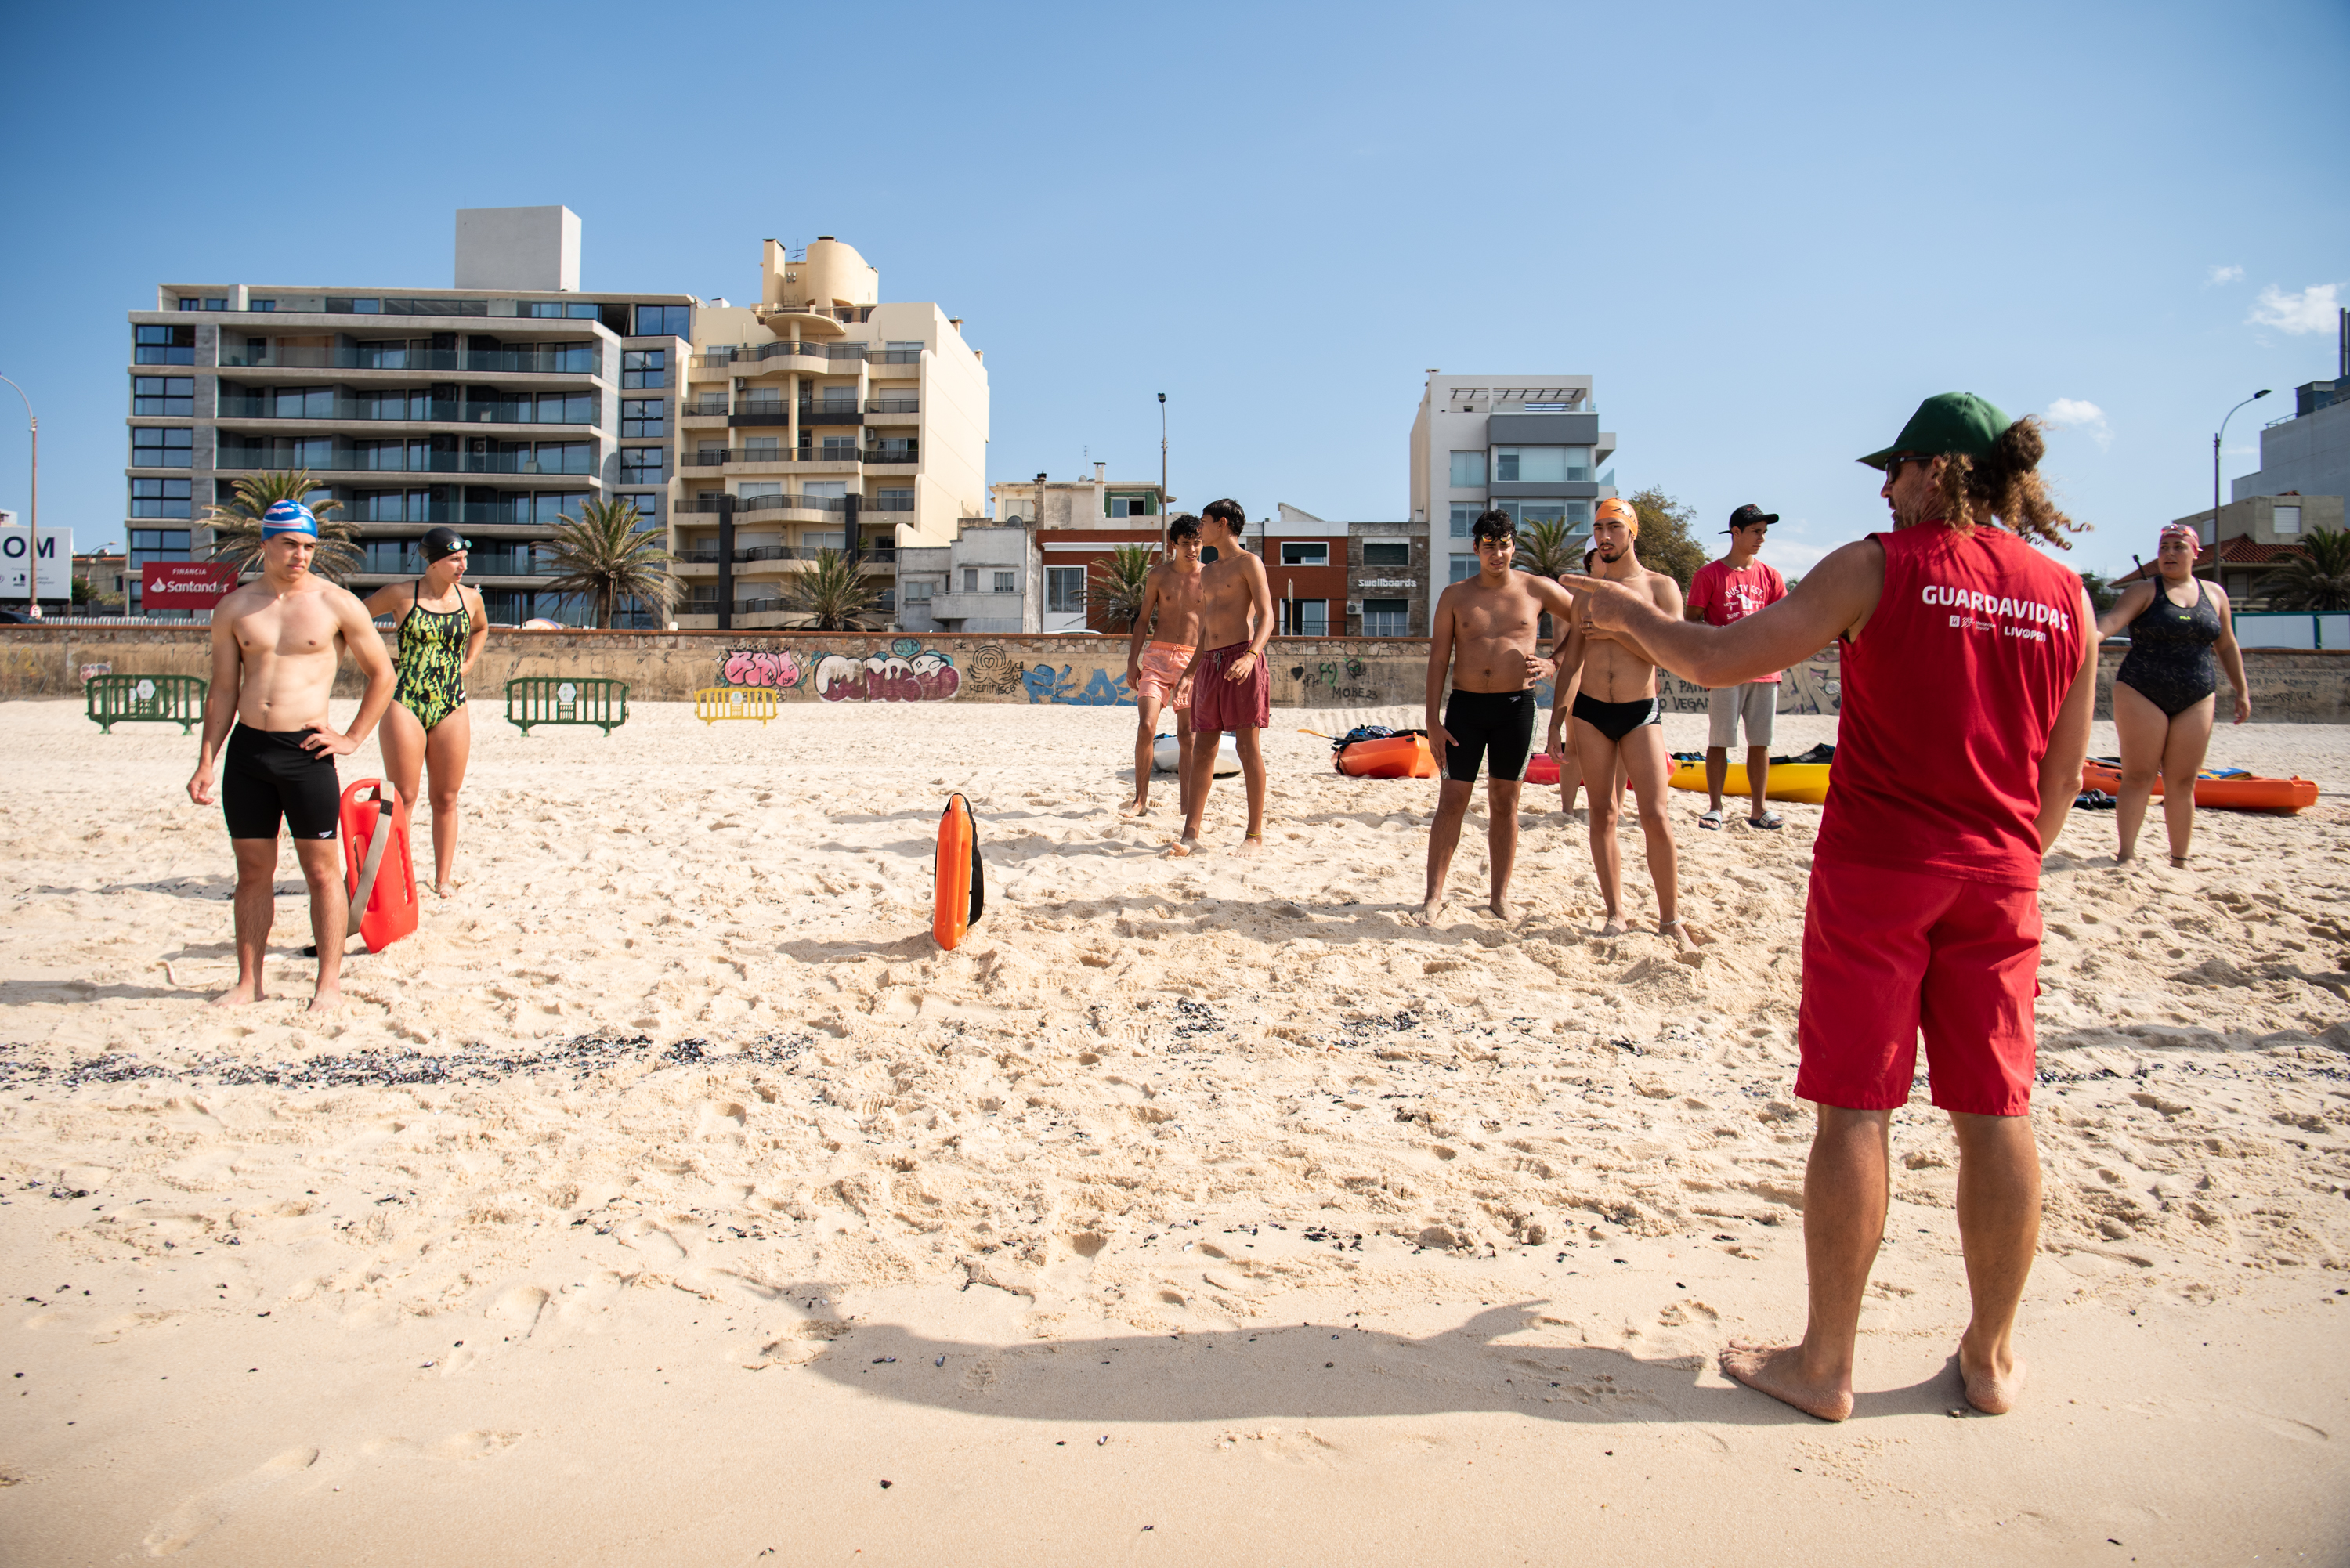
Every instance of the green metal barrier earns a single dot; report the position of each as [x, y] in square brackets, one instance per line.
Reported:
[146, 699]
[566, 699]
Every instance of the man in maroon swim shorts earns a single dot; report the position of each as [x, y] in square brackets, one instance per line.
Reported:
[1970, 678]
[1230, 687]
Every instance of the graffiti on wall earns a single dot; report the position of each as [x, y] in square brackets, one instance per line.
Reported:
[760, 667]
[1099, 690]
[893, 676]
[1334, 678]
[994, 672]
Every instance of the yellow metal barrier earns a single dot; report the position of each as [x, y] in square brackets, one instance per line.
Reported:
[712, 704]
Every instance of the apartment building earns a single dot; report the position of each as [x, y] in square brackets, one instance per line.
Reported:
[2307, 452]
[2253, 542]
[494, 407]
[821, 418]
[1528, 446]
[1306, 565]
[1080, 523]
[987, 578]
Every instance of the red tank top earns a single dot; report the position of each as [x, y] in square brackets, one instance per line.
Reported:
[1947, 704]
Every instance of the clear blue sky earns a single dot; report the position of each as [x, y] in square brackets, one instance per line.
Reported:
[1767, 232]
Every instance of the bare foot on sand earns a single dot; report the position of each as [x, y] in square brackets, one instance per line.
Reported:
[1252, 845]
[326, 1001]
[1432, 912]
[241, 995]
[1501, 909]
[1778, 1370]
[1133, 809]
[445, 889]
[1683, 935]
[1613, 926]
[1182, 849]
[1993, 1382]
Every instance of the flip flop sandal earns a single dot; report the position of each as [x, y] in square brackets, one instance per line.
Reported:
[1769, 819]
[1710, 819]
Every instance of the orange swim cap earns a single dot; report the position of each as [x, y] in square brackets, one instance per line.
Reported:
[1620, 509]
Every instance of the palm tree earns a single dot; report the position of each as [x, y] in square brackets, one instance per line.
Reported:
[604, 553]
[237, 527]
[1122, 581]
[2319, 580]
[833, 594]
[1546, 549]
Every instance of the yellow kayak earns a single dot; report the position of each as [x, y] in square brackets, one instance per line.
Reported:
[1804, 781]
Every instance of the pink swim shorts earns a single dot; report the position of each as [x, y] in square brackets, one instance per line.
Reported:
[1163, 664]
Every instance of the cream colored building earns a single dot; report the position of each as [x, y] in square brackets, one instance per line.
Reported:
[819, 418]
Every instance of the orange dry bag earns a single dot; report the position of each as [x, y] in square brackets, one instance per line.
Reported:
[962, 884]
[376, 870]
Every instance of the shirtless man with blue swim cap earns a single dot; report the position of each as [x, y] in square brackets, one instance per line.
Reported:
[275, 647]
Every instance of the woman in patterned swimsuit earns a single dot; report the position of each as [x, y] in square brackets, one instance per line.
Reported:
[442, 628]
[2164, 694]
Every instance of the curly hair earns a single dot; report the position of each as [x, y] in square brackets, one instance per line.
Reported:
[2004, 484]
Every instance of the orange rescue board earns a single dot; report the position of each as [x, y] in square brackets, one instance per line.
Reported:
[1395, 757]
[377, 871]
[2243, 791]
[962, 894]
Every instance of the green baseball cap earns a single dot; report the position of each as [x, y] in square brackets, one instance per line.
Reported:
[1947, 422]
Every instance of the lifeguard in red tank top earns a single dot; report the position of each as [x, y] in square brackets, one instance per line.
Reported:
[1947, 699]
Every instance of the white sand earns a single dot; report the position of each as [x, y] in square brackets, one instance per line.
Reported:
[1358, 1242]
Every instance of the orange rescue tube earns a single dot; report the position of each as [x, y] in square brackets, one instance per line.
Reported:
[378, 873]
[1395, 757]
[962, 893]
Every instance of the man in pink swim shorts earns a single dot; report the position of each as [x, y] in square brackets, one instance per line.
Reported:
[1156, 669]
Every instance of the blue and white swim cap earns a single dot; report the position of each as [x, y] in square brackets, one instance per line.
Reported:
[288, 517]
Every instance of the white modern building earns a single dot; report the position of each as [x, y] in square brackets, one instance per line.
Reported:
[1529, 445]
[2307, 453]
[494, 407]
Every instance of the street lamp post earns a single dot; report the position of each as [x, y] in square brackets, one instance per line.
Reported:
[32, 513]
[2255, 398]
[1162, 459]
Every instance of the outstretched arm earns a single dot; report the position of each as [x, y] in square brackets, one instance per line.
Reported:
[1834, 599]
[2068, 742]
[1440, 663]
[2126, 608]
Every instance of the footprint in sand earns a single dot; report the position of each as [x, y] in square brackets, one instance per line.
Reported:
[207, 1509]
[520, 1306]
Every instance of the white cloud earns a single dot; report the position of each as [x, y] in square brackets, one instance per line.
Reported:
[2221, 274]
[2079, 414]
[2311, 310]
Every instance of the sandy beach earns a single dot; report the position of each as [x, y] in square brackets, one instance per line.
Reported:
[670, 1198]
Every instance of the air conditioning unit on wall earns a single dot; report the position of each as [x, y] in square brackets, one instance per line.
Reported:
[1354, 607]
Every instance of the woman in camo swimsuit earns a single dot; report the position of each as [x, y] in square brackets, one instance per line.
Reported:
[441, 628]
[2166, 692]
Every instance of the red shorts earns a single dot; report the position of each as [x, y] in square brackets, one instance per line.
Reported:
[1886, 953]
[1220, 702]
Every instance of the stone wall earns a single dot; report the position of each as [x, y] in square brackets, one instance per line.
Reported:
[2289, 686]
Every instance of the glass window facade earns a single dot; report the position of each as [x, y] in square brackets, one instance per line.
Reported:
[643, 464]
[1468, 471]
[1304, 618]
[644, 417]
[151, 544]
[1463, 568]
[1300, 553]
[159, 497]
[162, 448]
[1064, 591]
[164, 395]
[1464, 513]
[664, 321]
[1387, 554]
[1540, 464]
[643, 368]
[1007, 582]
[1386, 618]
[163, 345]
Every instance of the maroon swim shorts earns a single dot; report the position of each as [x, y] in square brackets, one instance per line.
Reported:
[1220, 702]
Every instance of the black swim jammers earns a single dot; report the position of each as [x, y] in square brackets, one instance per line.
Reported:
[266, 774]
[1499, 725]
[1618, 719]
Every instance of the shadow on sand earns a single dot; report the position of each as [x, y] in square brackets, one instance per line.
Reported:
[1321, 1371]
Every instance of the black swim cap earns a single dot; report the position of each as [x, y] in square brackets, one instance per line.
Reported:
[441, 542]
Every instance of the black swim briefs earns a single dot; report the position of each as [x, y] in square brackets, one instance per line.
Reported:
[1618, 719]
[1499, 724]
[267, 775]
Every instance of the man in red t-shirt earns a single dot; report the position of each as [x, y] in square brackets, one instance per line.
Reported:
[1968, 681]
[1726, 590]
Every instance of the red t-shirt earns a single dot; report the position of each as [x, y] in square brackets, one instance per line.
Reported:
[1726, 596]
[1947, 702]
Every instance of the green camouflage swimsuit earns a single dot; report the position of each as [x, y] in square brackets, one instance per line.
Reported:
[432, 663]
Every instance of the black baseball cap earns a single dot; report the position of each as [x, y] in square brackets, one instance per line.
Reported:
[1748, 516]
[441, 542]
